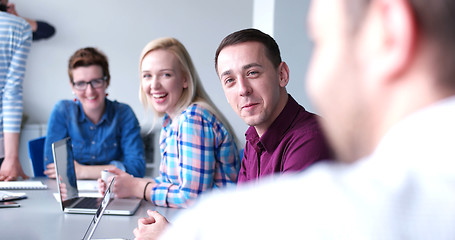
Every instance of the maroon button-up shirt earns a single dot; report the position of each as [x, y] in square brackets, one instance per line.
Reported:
[292, 143]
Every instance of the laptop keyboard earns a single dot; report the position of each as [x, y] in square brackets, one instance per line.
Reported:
[88, 203]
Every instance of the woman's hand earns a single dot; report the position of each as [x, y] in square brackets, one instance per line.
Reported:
[125, 185]
[50, 170]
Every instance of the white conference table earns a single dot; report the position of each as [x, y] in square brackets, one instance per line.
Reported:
[40, 217]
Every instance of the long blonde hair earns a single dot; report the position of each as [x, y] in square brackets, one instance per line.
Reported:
[194, 93]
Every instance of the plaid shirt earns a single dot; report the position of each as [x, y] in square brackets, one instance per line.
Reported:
[197, 154]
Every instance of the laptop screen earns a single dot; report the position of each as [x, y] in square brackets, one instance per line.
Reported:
[67, 186]
[99, 213]
[64, 164]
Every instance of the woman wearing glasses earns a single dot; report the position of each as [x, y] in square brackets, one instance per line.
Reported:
[104, 133]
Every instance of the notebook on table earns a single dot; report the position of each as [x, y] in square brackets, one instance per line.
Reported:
[22, 185]
[71, 202]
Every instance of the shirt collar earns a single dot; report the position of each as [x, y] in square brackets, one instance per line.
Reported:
[107, 115]
[272, 137]
[166, 120]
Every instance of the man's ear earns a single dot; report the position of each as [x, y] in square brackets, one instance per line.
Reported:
[393, 25]
[283, 72]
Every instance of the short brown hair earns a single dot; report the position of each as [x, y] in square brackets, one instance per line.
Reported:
[272, 50]
[89, 56]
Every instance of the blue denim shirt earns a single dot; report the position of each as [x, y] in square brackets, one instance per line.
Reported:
[114, 140]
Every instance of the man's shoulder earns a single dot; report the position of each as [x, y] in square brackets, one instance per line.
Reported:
[284, 204]
[12, 19]
[305, 124]
[17, 26]
[299, 119]
[319, 182]
[332, 201]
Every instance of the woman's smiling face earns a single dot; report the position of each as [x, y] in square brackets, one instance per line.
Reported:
[163, 80]
[92, 99]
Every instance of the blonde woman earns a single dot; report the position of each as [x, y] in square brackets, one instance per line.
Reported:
[198, 147]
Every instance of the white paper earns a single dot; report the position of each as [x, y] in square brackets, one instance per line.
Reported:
[22, 185]
[87, 185]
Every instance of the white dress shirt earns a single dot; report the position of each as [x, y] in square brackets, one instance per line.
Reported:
[404, 190]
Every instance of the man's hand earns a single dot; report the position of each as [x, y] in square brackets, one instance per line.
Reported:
[150, 227]
[12, 9]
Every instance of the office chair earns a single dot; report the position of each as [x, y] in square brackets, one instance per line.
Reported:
[36, 153]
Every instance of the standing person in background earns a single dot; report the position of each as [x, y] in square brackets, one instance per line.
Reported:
[41, 29]
[104, 133]
[15, 42]
[198, 146]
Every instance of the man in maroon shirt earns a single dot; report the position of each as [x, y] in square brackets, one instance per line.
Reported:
[283, 136]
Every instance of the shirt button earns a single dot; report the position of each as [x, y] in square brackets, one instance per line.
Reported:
[92, 128]
[93, 142]
[93, 157]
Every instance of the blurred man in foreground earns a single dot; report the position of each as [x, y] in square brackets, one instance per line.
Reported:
[382, 75]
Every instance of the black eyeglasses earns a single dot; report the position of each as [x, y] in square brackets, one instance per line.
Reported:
[95, 83]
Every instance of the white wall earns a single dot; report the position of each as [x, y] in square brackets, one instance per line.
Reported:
[290, 34]
[285, 20]
[122, 28]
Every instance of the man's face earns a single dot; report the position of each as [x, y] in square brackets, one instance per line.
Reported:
[333, 79]
[251, 83]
